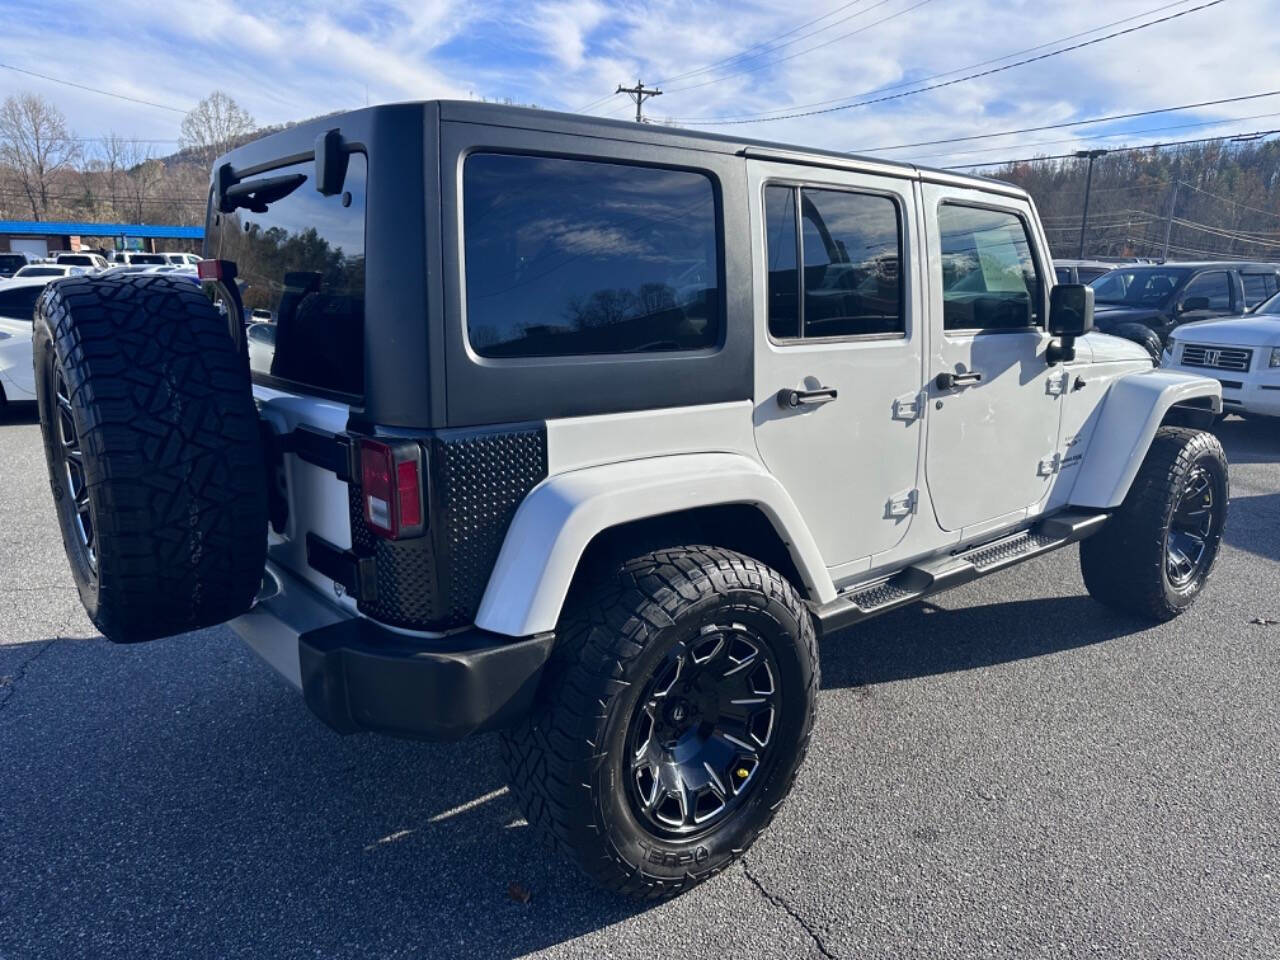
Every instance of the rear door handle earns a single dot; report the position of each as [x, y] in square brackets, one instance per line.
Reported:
[949, 381]
[790, 399]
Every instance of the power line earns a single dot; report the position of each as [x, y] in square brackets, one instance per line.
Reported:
[1257, 134]
[761, 118]
[744, 55]
[1235, 203]
[105, 93]
[1007, 56]
[1088, 139]
[1072, 123]
[809, 50]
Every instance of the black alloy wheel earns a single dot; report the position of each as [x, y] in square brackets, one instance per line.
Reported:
[703, 727]
[75, 488]
[1190, 528]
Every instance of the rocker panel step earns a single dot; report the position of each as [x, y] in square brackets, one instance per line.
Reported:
[933, 576]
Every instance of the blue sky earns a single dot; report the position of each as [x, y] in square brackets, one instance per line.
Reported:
[289, 60]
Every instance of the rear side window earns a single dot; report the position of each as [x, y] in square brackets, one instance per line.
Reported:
[303, 260]
[1257, 287]
[573, 257]
[989, 277]
[851, 252]
[19, 303]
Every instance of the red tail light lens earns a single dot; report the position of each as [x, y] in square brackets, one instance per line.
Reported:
[209, 269]
[391, 486]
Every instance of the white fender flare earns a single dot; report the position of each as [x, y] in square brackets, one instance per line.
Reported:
[561, 515]
[1133, 410]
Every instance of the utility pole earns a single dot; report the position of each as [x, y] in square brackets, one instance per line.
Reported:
[1168, 224]
[1090, 155]
[639, 94]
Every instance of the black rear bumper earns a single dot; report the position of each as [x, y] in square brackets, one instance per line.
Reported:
[357, 675]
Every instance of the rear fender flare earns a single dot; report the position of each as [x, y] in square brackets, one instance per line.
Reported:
[560, 517]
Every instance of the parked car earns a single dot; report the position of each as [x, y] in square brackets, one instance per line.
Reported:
[51, 270]
[1145, 303]
[11, 263]
[182, 259]
[601, 480]
[17, 305]
[261, 339]
[132, 258]
[1242, 353]
[1081, 271]
[92, 262]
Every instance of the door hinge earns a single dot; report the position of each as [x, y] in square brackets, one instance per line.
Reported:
[910, 407]
[1056, 383]
[903, 505]
[1049, 466]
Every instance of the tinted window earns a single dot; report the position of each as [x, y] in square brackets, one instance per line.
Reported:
[1063, 274]
[41, 272]
[19, 303]
[989, 278]
[852, 249]
[12, 261]
[780, 226]
[1257, 287]
[147, 258]
[304, 261]
[579, 257]
[1139, 287]
[1214, 287]
[1090, 273]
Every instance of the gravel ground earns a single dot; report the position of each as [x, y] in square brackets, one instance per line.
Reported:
[1010, 771]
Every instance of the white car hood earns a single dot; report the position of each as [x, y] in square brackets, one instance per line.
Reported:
[1260, 331]
[1109, 349]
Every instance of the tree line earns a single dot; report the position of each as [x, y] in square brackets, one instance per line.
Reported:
[48, 173]
[1212, 200]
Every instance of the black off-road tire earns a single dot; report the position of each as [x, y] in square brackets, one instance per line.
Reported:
[1143, 335]
[567, 760]
[1125, 564]
[169, 459]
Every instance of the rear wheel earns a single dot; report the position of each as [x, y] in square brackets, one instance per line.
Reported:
[154, 455]
[1154, 556]
[675, 714]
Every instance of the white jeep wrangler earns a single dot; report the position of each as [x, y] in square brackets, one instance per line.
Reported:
[585, 431]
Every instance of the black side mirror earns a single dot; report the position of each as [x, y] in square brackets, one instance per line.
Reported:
[1070, 316]
[1194, 303]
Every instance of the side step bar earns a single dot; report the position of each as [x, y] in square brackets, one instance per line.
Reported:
[933, 576]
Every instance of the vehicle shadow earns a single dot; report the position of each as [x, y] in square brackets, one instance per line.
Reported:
[19, 413]
[1256, 440]
[177, 799]
[1253, 524]
[925, 639]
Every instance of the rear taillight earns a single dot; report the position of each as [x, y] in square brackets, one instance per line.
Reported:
[209, 269]
[391, 485]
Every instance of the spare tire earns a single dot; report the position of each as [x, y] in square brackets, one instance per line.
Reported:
[1143, 335]
[154, 452]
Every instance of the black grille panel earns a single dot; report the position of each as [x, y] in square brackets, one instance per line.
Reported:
[477, 479]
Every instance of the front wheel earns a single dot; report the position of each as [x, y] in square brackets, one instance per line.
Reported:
[1154, 556]
[674, 717]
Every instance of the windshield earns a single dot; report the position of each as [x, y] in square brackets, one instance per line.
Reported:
[41, 272]
[1138, 286]
[1269, 308]
[12, 261]
[147, 258]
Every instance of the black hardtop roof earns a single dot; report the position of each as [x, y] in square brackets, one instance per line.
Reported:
[550, 121]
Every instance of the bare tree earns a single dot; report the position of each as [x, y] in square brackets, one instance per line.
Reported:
[36, 146]
[214, 126]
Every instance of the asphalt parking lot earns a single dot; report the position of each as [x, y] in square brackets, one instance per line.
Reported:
[1010, 772]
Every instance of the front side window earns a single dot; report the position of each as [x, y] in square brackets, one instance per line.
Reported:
[989, 276]
[303, 261]
[851, 254]
[1214, 287]
[577, 257]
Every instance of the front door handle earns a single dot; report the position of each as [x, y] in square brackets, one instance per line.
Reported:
[790, 399]
[949, 381]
